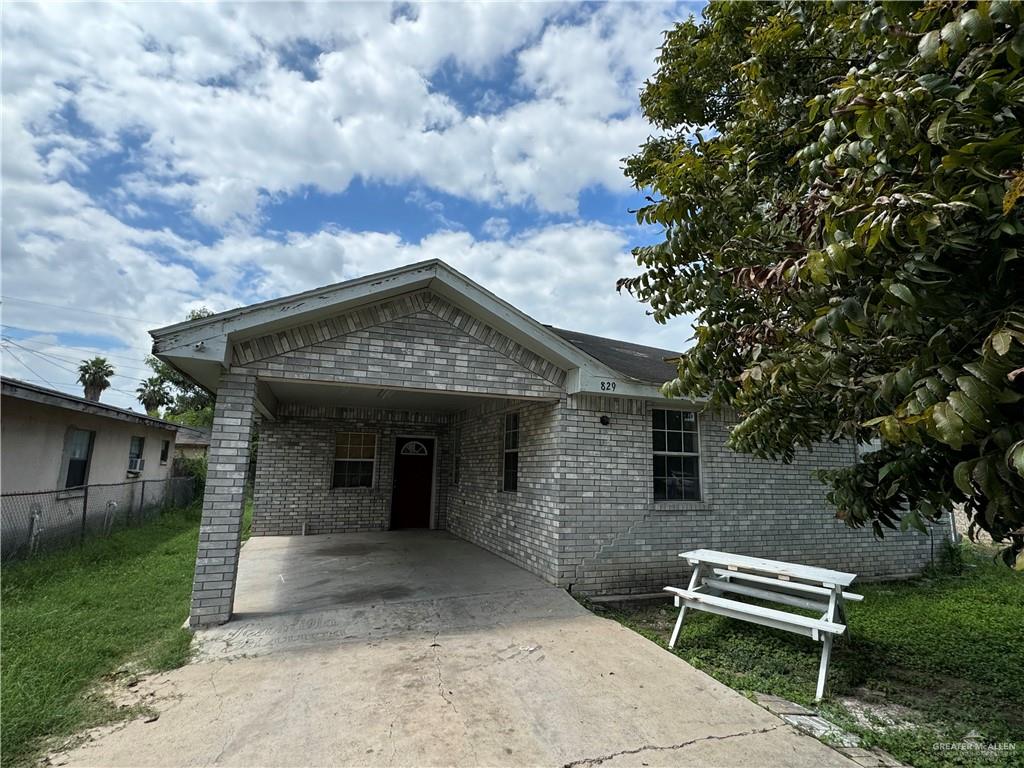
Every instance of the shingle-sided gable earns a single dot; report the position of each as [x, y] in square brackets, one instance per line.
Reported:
[419, 341]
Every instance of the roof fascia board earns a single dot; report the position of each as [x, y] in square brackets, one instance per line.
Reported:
[296, 300]
[210, 338]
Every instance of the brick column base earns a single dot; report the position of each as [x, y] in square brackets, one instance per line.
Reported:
[213, 589]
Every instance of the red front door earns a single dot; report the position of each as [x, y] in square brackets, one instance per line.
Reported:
[414, 482]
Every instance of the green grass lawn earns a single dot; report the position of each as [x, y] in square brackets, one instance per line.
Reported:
[949, 648]
[72, 618]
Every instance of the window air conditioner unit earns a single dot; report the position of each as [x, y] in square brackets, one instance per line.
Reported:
[136, 465]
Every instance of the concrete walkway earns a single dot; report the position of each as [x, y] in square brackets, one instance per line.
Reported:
[418, 649]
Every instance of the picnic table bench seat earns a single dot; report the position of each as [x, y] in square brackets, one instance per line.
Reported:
[790, 584]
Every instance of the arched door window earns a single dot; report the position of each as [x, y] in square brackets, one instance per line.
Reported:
[414, 448]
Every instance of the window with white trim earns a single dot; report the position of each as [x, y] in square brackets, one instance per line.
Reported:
[355, 455]
[676, 455]
[510, 454]
[165, 451]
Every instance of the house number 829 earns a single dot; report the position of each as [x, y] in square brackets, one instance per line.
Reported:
[607, 386]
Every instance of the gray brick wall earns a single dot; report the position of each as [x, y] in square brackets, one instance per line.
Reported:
[418, 351]
[213, 589]
[295, 465]
[521, 525]
[615, 539]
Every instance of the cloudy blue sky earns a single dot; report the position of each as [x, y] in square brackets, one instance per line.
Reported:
[161, 157]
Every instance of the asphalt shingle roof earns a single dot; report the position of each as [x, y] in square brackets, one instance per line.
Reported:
[633, 360]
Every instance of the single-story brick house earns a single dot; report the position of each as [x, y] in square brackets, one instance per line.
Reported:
[416, 398]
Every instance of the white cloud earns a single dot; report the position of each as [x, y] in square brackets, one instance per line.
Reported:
[495, 227]
[562, 274]
[226, 107]
[228, 120]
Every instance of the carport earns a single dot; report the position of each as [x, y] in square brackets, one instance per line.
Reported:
[300, 591]
[417, 648]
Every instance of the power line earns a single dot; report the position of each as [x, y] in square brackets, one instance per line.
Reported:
[76, 309]
[29, 368]
[40, 355]
[37, 350]
[94, 351]
[57, 365]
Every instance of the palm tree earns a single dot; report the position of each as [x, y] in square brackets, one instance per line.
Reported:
[94, 375]
[152, 394]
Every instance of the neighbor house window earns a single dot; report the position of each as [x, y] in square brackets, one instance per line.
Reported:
[510, 463]
[355, 454]
[135, 449]
[676, 455]
[165, 450]
[79, 451]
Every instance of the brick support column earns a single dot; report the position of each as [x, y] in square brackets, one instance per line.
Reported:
[213, 589]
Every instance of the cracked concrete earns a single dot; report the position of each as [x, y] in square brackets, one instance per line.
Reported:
[589, 761]
[451, 672]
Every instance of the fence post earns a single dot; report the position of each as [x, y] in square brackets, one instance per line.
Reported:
[142, 504]
[33, 534]
[85, 513]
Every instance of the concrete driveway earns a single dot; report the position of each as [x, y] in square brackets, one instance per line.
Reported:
[419, 649]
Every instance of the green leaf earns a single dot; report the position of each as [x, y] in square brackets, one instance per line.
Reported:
[976, 24]
[903, 293]
[1015, 457]
[928, 46]
[968, 410]
[962, 476]
[948, 425]
[976, 389]
[937, 130]
[1001, 341]
[954, 35]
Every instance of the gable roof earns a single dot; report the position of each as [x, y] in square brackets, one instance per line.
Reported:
[203, 348]
[46, 396]
[634, 360]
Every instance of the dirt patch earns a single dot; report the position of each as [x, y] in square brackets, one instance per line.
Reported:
[871, 709]
[131, 695]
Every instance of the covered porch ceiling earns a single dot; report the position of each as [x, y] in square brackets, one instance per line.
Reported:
[326, 394]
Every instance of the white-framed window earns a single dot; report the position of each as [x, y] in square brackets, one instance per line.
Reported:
[79, 453]
[136, 449]
[510, 453]
[165, 451]
[355, 458]
[676, 449]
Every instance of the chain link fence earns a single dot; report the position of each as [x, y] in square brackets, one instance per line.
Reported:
[42, 521]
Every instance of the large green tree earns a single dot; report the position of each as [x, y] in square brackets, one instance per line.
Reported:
[840, 190]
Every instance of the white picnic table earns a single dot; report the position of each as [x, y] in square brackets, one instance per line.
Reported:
[799, 586]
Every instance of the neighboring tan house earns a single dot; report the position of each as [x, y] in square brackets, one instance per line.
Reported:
[191, 443]
[416, 398]
[51, 440]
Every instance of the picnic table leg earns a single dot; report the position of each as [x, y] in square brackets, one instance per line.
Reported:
[694, 581]
[826, 653]
[835, 602]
